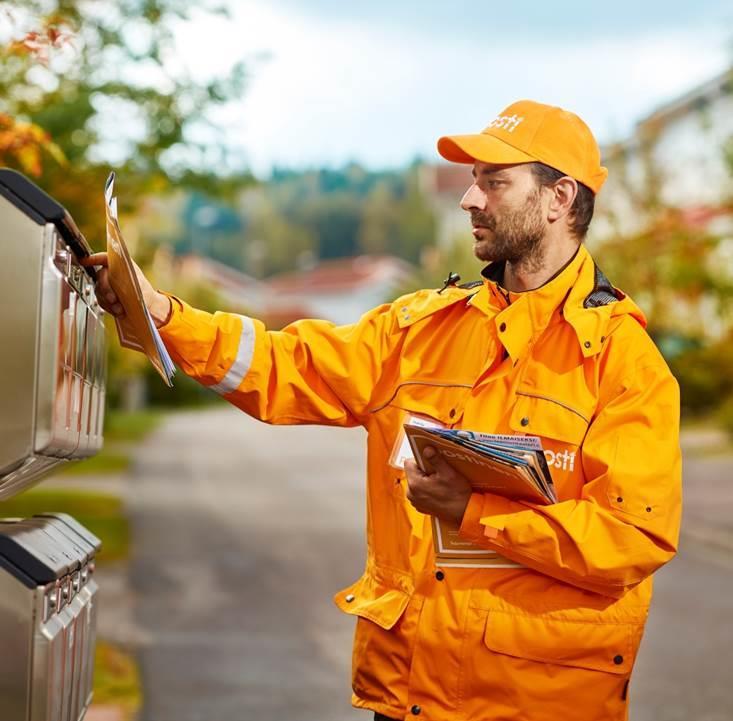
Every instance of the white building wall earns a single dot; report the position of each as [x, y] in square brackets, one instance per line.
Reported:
[691, 154]
[687, 155]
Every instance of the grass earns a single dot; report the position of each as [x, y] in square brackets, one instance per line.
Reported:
[130, 427]
[106, 461]
[116, 678]
[100, 512]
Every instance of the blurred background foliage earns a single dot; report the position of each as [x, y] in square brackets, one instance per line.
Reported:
[86, 86]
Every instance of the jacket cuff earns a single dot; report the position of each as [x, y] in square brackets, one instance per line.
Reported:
[177, 307]
[471, 528]
[485, 517]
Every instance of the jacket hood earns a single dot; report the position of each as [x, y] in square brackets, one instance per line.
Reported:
[593, 302]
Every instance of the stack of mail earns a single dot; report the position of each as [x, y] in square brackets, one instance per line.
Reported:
[511, 466]
[136, 329]
[507, 465]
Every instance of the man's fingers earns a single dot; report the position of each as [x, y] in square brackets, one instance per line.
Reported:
[95, 259]
[441, 466]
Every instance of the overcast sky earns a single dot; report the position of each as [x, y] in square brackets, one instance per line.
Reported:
[379, 81]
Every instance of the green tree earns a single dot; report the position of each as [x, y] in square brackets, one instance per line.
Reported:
[92, 75]
[379, 228]
[82, 81]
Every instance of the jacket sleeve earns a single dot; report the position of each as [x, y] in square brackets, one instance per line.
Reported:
[626, 523]
[310, 372]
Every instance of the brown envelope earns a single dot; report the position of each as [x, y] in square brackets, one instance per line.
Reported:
[135, 329]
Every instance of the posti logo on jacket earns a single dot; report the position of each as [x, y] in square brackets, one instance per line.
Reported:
[564, 460]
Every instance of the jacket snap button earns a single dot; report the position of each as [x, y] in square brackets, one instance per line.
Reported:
[349, 598]
[502, 327]
[619, 500]
[587, 344]
[439, 575]
[452, 412]
[648, 509]
[415, 710]
[618, 660]
[525, 421]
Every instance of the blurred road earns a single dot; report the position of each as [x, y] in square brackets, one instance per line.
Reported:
[241, 534]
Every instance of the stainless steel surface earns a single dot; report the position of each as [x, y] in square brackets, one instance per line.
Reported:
[53, 370]
[20, 286]
[47, 619]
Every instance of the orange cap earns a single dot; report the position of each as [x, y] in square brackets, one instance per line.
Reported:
[528, 132]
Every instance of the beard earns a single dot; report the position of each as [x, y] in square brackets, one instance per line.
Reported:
[515, 235]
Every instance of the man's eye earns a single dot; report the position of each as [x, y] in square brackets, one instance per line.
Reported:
[493, 184]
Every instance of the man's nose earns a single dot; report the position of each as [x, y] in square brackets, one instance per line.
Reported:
[473, 199]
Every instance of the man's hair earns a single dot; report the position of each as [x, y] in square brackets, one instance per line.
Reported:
[582, 211]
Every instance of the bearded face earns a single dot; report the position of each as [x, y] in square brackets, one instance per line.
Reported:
[513, 235]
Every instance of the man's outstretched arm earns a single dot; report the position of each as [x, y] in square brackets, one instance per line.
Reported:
[310, 372]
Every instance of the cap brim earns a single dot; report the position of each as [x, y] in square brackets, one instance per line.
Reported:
[486, 148]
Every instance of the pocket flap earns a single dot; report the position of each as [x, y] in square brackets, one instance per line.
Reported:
[441, 401]
[375, 600]
[548, 418]
[609, 647]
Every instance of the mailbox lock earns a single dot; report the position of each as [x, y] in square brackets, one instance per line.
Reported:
[62, 256]
[75, 583]
[84, 575]
[52, 601]
[65, 591]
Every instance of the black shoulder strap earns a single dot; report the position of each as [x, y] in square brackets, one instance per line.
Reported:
[471, 284]
[603, 292]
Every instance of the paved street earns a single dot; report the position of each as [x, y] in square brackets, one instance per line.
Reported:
[241, 534]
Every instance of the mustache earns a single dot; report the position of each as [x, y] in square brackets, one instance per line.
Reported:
[484, 219]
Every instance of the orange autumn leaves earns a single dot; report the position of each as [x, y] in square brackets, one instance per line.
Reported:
[24, 144]
[39, 43]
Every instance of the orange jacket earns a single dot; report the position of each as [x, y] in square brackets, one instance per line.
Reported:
[553, 633]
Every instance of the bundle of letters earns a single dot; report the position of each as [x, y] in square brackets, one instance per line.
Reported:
[136, 329]
[507, 465]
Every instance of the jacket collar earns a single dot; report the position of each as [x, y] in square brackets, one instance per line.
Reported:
[579, 293]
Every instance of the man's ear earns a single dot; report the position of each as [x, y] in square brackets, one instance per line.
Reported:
[563, 196]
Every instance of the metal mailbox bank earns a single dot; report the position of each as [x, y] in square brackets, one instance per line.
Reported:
[52, 386]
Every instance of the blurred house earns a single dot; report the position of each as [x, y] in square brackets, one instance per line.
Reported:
[444, 184]
[339, 290]
[236, 289]
[679, 156]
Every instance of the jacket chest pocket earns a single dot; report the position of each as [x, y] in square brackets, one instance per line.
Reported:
[441, 402]
[435, 404]
[562, 427]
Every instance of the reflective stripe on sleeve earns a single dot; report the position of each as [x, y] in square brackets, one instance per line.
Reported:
[235, 375]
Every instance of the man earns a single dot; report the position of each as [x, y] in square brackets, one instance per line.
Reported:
[546, 624]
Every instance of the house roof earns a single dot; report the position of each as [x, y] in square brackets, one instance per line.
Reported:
[695, 99]
[341, 274]
[218, 273]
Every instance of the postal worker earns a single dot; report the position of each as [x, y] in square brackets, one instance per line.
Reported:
[543, 620]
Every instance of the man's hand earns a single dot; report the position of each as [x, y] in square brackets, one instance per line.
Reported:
[443, 493]
[158, 304]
